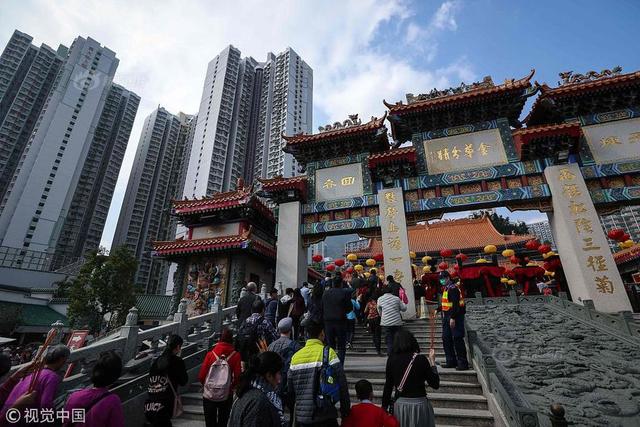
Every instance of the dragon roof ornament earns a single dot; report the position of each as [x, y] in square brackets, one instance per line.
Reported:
[353, 120]
[486, 82]
[569, 77]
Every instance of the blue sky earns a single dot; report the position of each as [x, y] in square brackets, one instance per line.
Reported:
[361, 51]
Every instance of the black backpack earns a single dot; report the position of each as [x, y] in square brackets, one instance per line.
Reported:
[247, 338]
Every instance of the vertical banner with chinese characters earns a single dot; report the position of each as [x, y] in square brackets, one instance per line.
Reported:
[395, 242]
[582, 245]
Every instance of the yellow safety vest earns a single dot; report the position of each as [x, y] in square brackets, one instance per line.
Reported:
[448, 305]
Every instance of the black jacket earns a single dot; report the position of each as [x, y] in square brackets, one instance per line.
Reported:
[395, 288]
[159, 404]
[421, 372]
[245, 304]
[254, 409]
[336, 303]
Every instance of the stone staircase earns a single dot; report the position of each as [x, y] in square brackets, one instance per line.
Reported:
[458, 402]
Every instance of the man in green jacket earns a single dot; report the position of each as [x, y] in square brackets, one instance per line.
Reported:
[313, 409]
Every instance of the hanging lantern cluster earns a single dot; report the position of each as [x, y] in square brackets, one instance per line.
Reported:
[490, 249]
[316, 258]
[508, 253]
[446, 253]
[352, 257]
[370, 262]
[623, 239]
[462, 257]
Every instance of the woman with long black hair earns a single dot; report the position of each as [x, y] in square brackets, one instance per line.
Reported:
[167, 373]
[258, 403]
[406, 374]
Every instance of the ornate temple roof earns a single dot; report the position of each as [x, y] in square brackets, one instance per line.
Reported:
[626, 255]
[341, 138]
[221, 201]
[537, 141]
[582, 94]
[215, 244]
[457, 106]
[405, 154]
[458, 235]
[278, 185]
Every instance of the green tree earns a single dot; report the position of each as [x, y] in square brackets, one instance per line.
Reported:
[504, 224]
[103, 289]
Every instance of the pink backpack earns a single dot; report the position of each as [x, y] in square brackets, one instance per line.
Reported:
[403, 296]
[217, 385]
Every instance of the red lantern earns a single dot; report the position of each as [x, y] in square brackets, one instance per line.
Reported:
[615, 233]
[543, 249]
[456, 267]
[443, 265]
[532, 245]
[625, 237]
[317, 258]
[378, 257]
[461, 257]
[446, 253]
[331, 267]
[514, 260]
[349, 270]
[339, 262]
[454, 274]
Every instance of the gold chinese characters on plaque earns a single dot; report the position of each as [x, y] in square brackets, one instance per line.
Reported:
[339, 182]
[614, 141]
[467, 151]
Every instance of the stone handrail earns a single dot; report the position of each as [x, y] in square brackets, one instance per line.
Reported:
[198, 333]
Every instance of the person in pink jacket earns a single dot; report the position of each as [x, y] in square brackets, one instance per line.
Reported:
[102, 408]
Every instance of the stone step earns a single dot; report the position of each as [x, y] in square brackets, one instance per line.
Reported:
[438, 399]
[372, 353]
[445, 386]
[378, 372]
[463, 417]
[368, 345]
[444, 417]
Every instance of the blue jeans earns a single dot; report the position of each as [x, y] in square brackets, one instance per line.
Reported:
[335, 332]
[390, 334]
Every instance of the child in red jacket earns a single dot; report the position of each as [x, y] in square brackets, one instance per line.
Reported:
[366, 414]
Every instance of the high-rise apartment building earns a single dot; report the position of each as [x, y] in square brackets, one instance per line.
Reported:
[156, 178]
[542, 231]
[627, 219]
[245, 107]
[27, 74]
[56, 202]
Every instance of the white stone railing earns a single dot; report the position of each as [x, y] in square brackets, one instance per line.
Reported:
[198, 332]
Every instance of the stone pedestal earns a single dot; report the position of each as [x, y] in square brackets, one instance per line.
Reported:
[395, 243]
[582, 245]
[291, 262]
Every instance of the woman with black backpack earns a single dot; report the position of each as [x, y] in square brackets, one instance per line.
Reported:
[166, 374]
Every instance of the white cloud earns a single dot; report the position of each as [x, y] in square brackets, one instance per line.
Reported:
[444, 18]
[164, 48]
[425, 37]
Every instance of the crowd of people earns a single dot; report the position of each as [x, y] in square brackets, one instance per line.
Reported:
[284, 364]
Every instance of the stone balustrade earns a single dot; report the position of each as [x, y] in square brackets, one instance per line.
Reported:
[138, 347]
